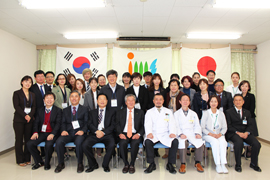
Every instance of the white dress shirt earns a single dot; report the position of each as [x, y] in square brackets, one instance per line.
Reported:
[95, 99]
[126, 126]
[113, 88]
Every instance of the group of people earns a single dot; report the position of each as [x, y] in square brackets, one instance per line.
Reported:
[65, 109]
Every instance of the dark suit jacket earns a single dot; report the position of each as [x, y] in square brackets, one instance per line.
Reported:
[226, 101]
[250, 104]
[67, 117]
[39, 99]
[142, 96]
[121, 119]
[55, 120]
[151, 97]
[18, 102]
[234, 123]
[120, 96]
[199, 104]
[109, 121]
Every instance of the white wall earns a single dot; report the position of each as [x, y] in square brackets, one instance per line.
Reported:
[18, 58]
[262, 63]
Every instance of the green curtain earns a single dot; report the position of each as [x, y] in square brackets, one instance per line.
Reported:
[240, 62]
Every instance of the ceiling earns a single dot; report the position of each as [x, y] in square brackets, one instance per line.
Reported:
[173, 18]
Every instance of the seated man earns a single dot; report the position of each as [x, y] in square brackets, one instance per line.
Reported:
[73, 129]
[224, 96]
[101, 126]
[46, 128]
[160, 126]
[130, 129]
[189, 131]
[239, 131]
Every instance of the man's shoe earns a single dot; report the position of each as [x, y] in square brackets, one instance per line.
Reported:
[238, 168]
[199, 167]
[150, 168]
[131, 169]
[165, 156]
[182, 169]
[90, 169]
[59, 168]
[80, 168]
[219, 169]
[38, 165]
[170, 168]
[125, 169]
[256, 168]
[106, 169]
[47, 167]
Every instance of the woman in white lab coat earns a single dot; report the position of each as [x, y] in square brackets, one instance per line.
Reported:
[214, 127]
[189, 130]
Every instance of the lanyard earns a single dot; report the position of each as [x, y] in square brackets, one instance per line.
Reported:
[64, 95]
[30, 99]
[114, 95]
[235, 91]
[49, 116]
[215, 120]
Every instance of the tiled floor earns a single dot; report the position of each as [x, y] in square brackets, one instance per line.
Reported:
[9, 170]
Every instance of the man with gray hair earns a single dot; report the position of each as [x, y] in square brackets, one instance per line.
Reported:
[130, 129]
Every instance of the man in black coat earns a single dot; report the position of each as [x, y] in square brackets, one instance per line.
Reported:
[224, 96]
[46, 128]
[101, 125]
[130, 129]
[240, 130]
[73, 129]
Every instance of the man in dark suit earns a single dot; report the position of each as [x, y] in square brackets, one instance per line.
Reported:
[239, 131]
[39, 88]
[139, 92]
[147, 76]
[73, 129]
[114, 92]
[46, 128]
[130, 129]
[49, 76]
[224, 96]
[101, 125]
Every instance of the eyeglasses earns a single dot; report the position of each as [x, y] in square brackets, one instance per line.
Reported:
[49, 77]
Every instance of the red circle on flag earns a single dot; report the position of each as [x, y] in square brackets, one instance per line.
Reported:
[205, 64]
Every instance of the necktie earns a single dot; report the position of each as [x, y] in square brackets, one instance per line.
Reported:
[100, 116]
[220, 96]
[239, 113]
[158, 109]
[87, 87]
[42, 92]
[129, 129]
[47, 111]
[74, 111]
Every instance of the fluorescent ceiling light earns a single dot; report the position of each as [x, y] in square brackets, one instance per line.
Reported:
[213, 35]
[51, 4]
[241, 4]
[91, 35]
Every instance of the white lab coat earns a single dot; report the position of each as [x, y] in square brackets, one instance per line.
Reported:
[161, 125]
[188, 125]
[230, 89]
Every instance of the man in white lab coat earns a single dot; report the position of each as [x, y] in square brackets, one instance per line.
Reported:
[160, 126]
[189, 131]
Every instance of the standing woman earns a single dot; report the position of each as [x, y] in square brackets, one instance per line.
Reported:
[61, 92]
[80, 87]
[156, 86]
[71, 81]
[90, 98]
[196, 78]
[214, 127]
[187, 82]
[101, 81]
[249, 104]
[25, 106]
[233, 89]
[201, 98]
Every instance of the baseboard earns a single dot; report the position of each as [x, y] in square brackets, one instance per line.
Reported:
[7, 150]
[263, 140]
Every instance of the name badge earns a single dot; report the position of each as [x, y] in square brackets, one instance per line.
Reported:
[191, 121]
[44, 127]
[137, 106]
[167, 117]
[64, 105]
[245, 122]
[114, 103]
[27, 110]
[75, 124]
